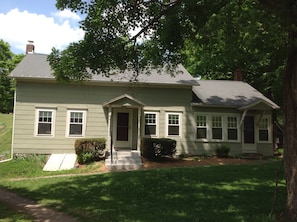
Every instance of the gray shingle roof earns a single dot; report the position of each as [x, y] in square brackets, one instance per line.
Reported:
[235, 94]
[36, 66]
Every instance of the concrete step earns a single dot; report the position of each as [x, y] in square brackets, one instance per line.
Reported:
[124, 160]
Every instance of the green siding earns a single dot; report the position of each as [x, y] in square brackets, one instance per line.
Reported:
[91, 98]
[60, 97]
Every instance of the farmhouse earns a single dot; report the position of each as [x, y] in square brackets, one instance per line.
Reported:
[200, 115]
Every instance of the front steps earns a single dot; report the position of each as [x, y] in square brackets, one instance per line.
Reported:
[124, 160]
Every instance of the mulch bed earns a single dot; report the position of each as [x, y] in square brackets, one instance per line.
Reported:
[195, 161]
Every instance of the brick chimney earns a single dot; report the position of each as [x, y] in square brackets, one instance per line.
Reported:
[30, 47]
[238, 75]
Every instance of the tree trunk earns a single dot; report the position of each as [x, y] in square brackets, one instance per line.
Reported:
[290, 136]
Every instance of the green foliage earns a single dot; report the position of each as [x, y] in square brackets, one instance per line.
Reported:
[90, 149]
[157, 147]
[8, 61]
[222, 150]
[241, 35]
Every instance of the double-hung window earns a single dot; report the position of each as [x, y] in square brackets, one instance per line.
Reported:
[232, 128]
[217, 128]
[150, 124]
[173, 124]
[264, 129]
[76, 122]
[201, 121]
[45, 122]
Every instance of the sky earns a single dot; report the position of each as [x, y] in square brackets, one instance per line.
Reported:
[39, 21]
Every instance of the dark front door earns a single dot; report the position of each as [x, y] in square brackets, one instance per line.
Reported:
[122, 126]
[249, 130]
[122, 129]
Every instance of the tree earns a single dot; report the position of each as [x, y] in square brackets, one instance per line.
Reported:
[7, 63]
[167, 31]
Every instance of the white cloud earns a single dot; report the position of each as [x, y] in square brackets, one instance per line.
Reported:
[18, 27]
[67, 14]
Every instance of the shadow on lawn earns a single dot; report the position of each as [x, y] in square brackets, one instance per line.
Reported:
[221, 193]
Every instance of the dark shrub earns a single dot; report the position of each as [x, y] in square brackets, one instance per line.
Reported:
[90, 149]
[157, 147]
[222, 151]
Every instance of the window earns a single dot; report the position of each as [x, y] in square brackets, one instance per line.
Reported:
[232, 128]
[201, 127]
[214, 127]
[217, 130]
[76, 123]
[264, 129]
[45, 122]
[173, 124]
[150, 124]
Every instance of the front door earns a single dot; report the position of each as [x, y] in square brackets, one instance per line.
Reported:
[249, 135]
[122, 129]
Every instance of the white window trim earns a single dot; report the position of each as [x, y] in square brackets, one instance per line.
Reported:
[224, 127]
[207, 127]
[269, 128]
[37, 110]
[237, 127]
[84, 112]
[157, 124]
[179, 124]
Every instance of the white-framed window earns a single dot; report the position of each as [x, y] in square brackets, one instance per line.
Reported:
[232, 128]
[201, 122]
[173, 121]
[76, 123]
[264, 129]
[217, 127]
[45, 122]
[151, 124]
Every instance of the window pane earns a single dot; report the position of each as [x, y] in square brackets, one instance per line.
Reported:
[232, 134]
[173, 119]
[75, 129]
[217, 121]
[44, 128]
[201, 120]
[173, 130]
[263, 135]
[217, 133]
[201, 133]
[150, 130]
[150, 118]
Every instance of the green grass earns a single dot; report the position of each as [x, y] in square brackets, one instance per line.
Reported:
[31, 166]
[232, 193]
[10, 215]
[5, 135]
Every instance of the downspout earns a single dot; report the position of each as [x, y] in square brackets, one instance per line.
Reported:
[109, 133]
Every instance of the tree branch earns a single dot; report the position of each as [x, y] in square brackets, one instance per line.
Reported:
[167, 6]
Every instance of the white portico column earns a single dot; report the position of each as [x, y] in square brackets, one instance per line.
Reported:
[139, 129]
[109, 129]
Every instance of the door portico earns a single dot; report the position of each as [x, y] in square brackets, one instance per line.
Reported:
[124, 123]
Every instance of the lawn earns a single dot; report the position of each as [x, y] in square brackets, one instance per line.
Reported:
[233, 193]
[5, 135]
[9, 215]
